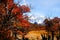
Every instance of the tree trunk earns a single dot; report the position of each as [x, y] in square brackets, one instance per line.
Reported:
[52, 35]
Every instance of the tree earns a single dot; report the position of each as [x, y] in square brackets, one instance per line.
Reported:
[52, 25]
[49, 25]
[11, 15]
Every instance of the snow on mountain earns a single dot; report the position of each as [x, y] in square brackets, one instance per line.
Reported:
[39, 19]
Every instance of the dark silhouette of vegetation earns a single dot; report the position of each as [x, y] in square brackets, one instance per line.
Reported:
[43, 37]
[49, 37]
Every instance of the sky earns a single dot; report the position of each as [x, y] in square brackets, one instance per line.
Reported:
[43, 8]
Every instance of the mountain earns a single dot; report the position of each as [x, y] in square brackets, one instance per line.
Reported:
[39, 19]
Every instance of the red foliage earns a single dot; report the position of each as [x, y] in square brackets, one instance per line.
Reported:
[10, 15]
[16, 10]
[6, 1]
[55, 21]
[3, 1]
[55, 27]
[25, 23]
[25, 8]
[2, 10]
[10, 1]
[20, 16]
[9, 6]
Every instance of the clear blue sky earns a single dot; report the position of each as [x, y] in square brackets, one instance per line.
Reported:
[50, 8]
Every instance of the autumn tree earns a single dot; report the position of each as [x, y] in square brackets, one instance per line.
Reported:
[49, 25]
[11, 16]
[52, 25]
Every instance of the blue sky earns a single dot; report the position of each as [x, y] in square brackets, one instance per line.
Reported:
[49, 8]
[46, 8]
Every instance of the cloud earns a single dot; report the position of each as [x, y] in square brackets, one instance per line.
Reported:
[39, 19]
